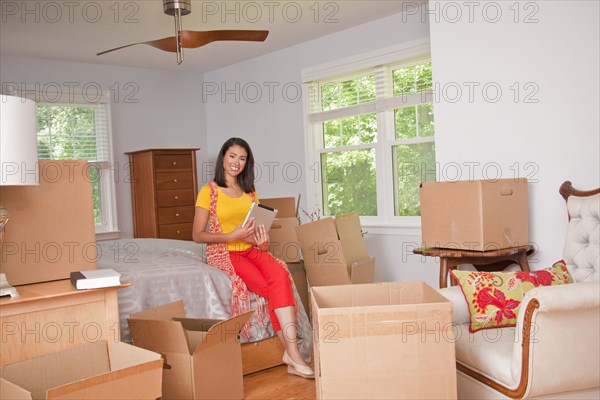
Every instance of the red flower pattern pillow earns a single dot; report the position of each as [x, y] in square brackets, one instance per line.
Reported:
[494, 298]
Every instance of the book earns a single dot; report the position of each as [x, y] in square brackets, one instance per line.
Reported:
[95, 278]
[263, 215]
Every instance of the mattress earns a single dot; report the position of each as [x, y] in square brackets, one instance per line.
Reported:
[162, 271]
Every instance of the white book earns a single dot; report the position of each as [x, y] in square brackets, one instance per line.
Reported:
[95, 278]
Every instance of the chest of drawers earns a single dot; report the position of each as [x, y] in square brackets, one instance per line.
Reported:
[163, 192]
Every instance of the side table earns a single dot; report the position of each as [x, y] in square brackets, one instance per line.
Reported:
[54, 316]
[492, 260]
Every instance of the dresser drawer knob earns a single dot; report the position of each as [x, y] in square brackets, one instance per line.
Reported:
[178, 232]
[176, 197]
[174, 162]
[177, 214]
[175, 180]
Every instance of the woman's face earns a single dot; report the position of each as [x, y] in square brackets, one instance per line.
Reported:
[234, 160]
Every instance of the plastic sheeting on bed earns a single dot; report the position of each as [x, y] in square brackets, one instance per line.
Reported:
[162, 271]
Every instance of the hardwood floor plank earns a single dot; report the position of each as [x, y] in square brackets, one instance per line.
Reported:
[276, 383]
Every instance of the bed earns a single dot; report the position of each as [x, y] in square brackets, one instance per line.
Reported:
[162, 271]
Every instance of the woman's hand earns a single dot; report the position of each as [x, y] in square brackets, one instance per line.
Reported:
[261, 237]
[245, 232]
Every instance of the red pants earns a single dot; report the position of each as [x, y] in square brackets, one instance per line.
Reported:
[264, 276]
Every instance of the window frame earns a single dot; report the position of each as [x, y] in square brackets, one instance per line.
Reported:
[109, 227]
[386, 222]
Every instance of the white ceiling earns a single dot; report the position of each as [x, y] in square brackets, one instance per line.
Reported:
[77, 30]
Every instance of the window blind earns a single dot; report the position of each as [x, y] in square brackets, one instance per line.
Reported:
[72, 123]
[385, 97]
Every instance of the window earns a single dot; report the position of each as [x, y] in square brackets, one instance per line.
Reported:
[370, 138]
[73, 128]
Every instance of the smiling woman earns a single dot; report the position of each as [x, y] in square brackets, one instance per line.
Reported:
[241, 250]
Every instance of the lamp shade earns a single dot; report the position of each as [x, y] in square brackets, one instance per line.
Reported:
[18, 141]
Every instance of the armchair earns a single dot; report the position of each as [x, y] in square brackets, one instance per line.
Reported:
[553, 351]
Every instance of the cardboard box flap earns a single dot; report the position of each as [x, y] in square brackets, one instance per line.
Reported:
[350, 234]
[322, 230]
[363, 271]
[220, 332]
[287, 207]
[38, 374]
[159, 335]
[128, 361]
[155, 329]
[166, 312]
[9, 390]
[126, 356]
[327, 274]
[197, 324]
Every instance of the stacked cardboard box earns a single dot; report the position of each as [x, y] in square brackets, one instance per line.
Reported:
[284, 243]
[202, 356]
[335, 252]
[383, 341]
[475, 215]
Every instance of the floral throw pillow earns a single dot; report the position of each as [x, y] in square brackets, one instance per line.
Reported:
[494, 298]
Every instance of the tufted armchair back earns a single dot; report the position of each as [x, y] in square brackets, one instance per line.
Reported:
[582, 244]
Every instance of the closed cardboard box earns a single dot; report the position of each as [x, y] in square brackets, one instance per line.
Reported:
[86, 372]
[334, 251]
[383, 341]
[51, 231]
[475, 215]
[202, 357]
[283, 241]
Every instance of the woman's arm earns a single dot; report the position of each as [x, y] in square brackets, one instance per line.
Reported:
[200, 235]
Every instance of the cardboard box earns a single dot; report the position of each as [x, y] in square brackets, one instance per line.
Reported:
[202, 357]
[86, 372]
[284, 243]
[475, 215]
[298, 273]
[51, 231]
[383, 341]
[335, 252]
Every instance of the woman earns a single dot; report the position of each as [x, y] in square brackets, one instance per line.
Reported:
[242, 251]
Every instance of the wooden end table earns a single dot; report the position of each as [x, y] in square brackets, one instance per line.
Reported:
[492, 260]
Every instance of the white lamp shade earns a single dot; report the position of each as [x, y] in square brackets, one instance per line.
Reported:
[18, 141]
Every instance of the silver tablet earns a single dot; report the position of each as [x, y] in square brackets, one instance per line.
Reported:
[262, 215]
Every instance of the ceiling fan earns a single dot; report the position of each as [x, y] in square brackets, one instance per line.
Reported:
[192, 39]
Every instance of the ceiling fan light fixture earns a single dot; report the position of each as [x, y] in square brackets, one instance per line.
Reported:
[170, 7]
[177, 9]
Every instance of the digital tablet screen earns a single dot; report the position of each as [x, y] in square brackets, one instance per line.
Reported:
[262, 215]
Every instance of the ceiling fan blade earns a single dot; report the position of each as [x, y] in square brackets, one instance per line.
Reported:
[194, 39]
[165, 44]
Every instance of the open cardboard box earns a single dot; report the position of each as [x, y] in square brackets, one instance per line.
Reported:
[203, 358]
[392, 340]
[85, 372]
[284, 243]
[475, 215]
[335, 252]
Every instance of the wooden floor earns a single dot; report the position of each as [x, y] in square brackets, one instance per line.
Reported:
[276, 383]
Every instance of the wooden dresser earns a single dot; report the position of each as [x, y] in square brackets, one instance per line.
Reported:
[164, 186]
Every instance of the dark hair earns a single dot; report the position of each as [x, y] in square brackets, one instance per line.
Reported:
[246, 178]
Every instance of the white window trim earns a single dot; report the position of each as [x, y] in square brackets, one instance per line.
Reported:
[109, 228]
[397, 225]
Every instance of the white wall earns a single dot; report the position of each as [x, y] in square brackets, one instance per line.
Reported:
[551, 50]
[150, 109]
